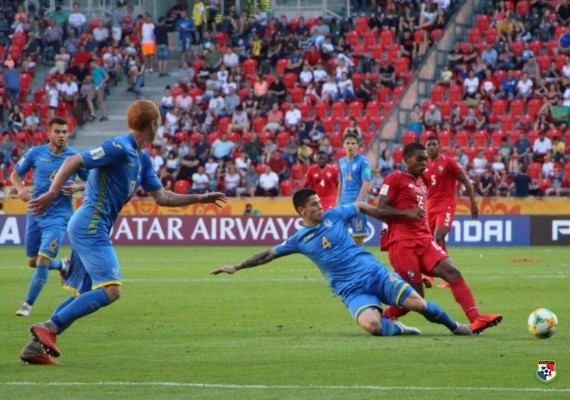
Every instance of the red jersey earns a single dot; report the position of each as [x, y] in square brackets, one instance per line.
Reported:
[325, 182]
[441, 179]
[406, 192]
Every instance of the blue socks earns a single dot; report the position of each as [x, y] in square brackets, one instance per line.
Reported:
[55, 264]
[388, 328]
[37, 283]
[435, 313]
[81, 306]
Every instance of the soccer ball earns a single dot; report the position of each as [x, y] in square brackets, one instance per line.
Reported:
[542, 323]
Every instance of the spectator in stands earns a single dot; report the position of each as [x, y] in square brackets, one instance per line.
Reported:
[268, 183]
[289, 152]
[31, 122]
[270, 147]
[329, 91]
[432, 119]
[223, 148]
[508, 86]
[218, 105]
[184, 101]
[353, 128]
[319, 73]
[306, 75]
[524, 88]
[101, 35]
[260, 87]
[250, 182]
[52, 96]
[172, 162]
[279, 164]
[87, 96]
[505, 149]
[200, 181]
[254, 148]
[316, 132]
[212, 165]
[387, 75]
[523, 147]
[240, 121]
[232, 180]
[471, 122]
[231, 60]
[275, 119]
[162, 48]
[214, 58]
[148, 42]
[186, 30]
[278, 88]
[455, 57]
[53, 35]
[547, 169]
[166, 102]
[77, 21]
[428, 14]
[558, 149]
[461, 158]
[185, 75]
[560, 114]
[498, 165]
[305, 152]
[346, 88]
[116, 17]
[72, 43]
[171, 121]
[157, 160]
[542, 146]
[231, 101]
[100, 79]
[490, 56]
[385, 162]
[318, 33]
[506, 29]
[471, 87]
[12, 84]
[486, 187]
[293, 116]
[202, 148]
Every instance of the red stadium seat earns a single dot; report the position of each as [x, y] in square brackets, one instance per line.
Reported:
[281, 64]
[355, 109]
[335, 139]
[249, 66]
[480, 138]
[321, 110]
[297, 171]
[328, 124]
[437, 93]
[338, 109]
[297, 94]
[517, 107]
[282, 139]
[497, 137]
[409, 137]
[398, 155]
[533, 170]
[462, 139]
[287, 187]
[372, 109]
[213, 136]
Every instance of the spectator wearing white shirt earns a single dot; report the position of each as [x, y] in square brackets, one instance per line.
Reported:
[148, 42]
[346, 87]
[231, 59]
[547, 167]
[329, 91]
[471, 85]
[542, 145]
[157, 161]
[200, 181]
[101, 34]
[68, 90]
[306, 75]
[171, 121]
[319, 74]
[223, 148]
[232, 179]
[524, 88]
[268, 183]
[240, 122]
[77, 21]
[293, 116]
[184, 101]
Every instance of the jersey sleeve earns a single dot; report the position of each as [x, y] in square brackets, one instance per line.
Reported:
[454, 166]
[149, 180]
[365, 172]
[346, 212]
[390, 186]
[105, 155]
[83, 174]
[26, 162]
[289, 246]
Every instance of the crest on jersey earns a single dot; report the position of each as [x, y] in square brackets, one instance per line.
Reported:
[546, 372]
[328, 223]
[440, 168]
[410, 274]
[411, 185]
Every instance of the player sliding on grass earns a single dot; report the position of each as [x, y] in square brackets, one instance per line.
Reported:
[440, 176]
[117, 168]
[409, 242]
[352, 272]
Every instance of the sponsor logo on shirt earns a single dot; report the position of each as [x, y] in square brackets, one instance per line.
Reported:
[97, 153]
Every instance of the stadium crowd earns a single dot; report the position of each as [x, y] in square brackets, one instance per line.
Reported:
[256, 97]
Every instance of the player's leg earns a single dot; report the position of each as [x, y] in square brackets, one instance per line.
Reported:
[33, 245]
[443, 224]
[404, 260]
[366, 311]
[445, 268]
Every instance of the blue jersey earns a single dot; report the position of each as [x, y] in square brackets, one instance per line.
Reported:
[353, 173]
[329, 245]
[116, 170]
[45, 165]
[183, 26]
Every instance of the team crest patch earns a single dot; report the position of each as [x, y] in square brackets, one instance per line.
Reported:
[546, 372]
[410, 274]
[328, 223]
[440, 168]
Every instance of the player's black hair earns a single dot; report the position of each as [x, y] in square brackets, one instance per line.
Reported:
[433, 138]
[301, 197]
[410, 148]
[349, 135]
[56, 121]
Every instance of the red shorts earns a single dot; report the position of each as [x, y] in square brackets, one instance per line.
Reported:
[412, 258]
[328, 202]
[442, 218]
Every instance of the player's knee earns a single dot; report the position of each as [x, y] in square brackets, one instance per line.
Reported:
[415, 302]
[447, 270]
[114, 292]
[369, 320]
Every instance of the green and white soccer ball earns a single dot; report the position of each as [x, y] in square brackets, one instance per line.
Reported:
[542, 323]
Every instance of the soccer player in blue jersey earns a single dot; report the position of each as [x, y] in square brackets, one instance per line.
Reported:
[352, 272]
[354, 184]
[45, 232]
[116, 169]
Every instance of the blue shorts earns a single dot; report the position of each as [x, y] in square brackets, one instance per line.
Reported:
[162, 52]
[77, 279]
[358, 226]
[44, 236]
[96, 259]
[184, 45]
[387, 287]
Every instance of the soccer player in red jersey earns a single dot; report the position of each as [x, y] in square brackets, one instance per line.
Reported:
[322, 177]
[409, 241]
[441, 175]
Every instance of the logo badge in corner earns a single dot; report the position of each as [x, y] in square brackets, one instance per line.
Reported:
[546, 372]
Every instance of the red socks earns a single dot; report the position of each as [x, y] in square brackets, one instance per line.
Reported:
[462, 294]
[393, 312]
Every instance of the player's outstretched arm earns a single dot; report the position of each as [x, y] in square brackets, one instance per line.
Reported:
[464, 179]
[68, 168]
[257, 259]
[384, 211]
[23, 193]
[167, 198]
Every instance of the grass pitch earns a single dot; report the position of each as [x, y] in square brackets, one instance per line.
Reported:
[275, 332]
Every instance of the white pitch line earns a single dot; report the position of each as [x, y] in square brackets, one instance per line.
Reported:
[289, 387]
